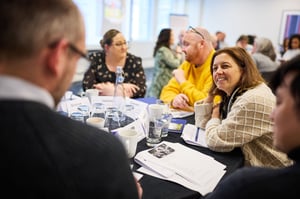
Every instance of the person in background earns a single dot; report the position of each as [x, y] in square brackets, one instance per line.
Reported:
[178, 48]
[45, 154]
[293, 47]
[284, 46]
[261, 183]
[264, 56]
[251, 39]
[101, 74]
[192, 80]
[214, 41]
[242, 118]
[242, 41]
[165, 61]
[220, 40]
[180, 38]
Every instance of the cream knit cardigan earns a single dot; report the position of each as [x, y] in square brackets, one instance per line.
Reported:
[247, 126]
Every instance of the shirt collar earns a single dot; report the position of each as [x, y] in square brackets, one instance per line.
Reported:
[15, 88]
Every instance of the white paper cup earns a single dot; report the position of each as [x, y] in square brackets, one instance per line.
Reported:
[89, 93]
[129, 138]
[96, 122]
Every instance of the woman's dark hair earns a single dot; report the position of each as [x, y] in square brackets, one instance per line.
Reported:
[291, 66]
[108, 37]
[163, 40]
[251, 77]
[243, 37]
[294, 36]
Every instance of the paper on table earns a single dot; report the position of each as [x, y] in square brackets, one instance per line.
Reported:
[193, 135]
[208, 187]
[177, 113]
[178, 163]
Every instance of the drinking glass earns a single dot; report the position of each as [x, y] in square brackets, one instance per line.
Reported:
[84, 109]
[98, 110]
[111, 118]
[153, 133]
[78, 116]
[166, 116]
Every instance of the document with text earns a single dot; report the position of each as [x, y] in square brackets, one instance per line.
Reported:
[178, 163]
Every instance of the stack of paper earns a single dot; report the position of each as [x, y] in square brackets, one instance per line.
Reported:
[178, 163]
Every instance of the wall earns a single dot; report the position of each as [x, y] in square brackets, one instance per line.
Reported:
[236, 17]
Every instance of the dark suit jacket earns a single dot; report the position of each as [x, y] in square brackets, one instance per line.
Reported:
[262, 183]
[46, 155]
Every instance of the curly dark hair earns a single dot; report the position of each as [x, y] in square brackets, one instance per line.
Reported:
[294, 36]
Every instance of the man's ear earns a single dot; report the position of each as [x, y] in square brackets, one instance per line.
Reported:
[201, 42]
[57, 56]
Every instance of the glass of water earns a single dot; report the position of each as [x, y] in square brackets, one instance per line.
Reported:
[98, 110]
[166, 119]
[78, 116]
[111, 118]
[85, 110]
[166, 116]
[153, 134]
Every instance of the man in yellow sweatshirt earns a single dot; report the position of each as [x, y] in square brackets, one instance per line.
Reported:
[192, 80]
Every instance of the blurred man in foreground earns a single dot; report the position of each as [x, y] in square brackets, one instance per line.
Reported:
[44, 154]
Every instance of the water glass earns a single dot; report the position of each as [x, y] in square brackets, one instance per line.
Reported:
[84, 109]
[111, 118]
[166, 116]
[166, 119]
[98, 110]
[153, 134]
[78, 116]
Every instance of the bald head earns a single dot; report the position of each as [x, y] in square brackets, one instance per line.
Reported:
[197, 45]
[202, 33]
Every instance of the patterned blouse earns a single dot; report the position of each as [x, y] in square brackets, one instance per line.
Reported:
[99, 73]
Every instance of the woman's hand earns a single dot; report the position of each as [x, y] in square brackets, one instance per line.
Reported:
[105, 89]
[209, 99]
[108, 88]
[130, 89]
[216, 111]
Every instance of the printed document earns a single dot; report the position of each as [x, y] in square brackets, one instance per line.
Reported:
[178, 163]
